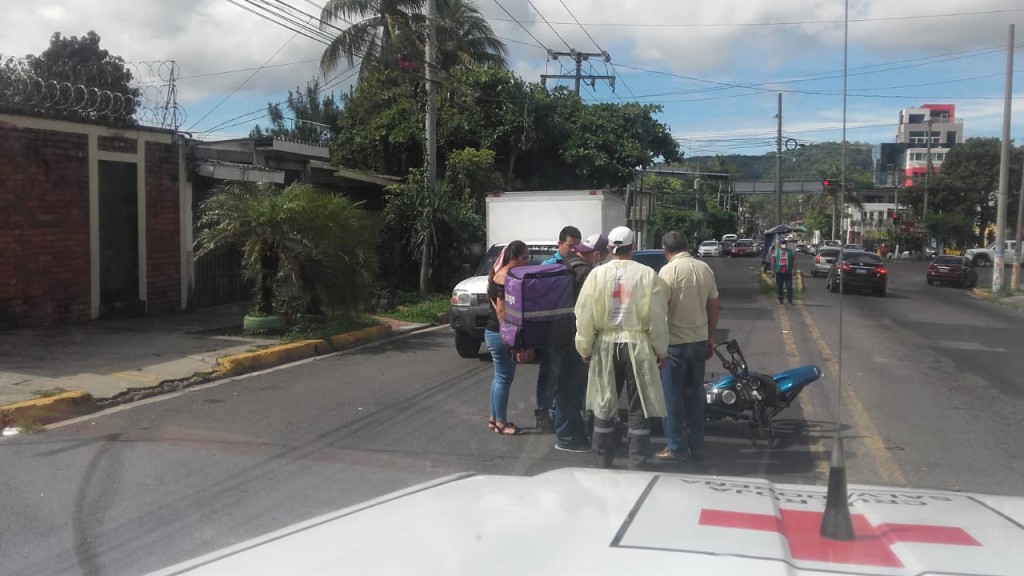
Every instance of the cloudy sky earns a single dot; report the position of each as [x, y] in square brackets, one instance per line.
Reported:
[715, 66]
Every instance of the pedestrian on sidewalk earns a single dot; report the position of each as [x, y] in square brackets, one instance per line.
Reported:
[784, 265]
[692, 321]
[515, 254]
[622, 334]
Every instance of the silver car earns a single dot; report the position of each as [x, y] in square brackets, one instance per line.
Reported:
[709, 248]
[823, 260]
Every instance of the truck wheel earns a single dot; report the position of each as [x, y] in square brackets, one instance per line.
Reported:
[466, 345]
[980, 260]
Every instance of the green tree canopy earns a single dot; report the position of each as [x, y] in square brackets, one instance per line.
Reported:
[968, 183]
[314, 116]
[73, 79]
[391, 35]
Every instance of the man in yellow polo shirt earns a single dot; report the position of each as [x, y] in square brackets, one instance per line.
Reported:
[692, 320]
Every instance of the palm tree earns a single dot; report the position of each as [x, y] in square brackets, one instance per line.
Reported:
[390, 33]
[382, 32]
[315, 239]
[464, 37]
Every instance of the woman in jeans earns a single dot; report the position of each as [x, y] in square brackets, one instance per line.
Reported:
[514, 254]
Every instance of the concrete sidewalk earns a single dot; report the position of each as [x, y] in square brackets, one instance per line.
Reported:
[47, 374]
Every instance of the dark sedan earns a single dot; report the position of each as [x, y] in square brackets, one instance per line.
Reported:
[952, 270]
[857, 270]
[653, 258]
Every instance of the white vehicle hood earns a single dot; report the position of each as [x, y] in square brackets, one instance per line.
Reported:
[577, 521]
[473, 285]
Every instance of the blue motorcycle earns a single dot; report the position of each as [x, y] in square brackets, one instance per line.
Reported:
[748, 396]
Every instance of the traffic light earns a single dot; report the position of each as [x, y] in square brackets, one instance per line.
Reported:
[895, 217]
[829, 183]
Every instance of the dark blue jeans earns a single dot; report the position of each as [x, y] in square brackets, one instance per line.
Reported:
[682, 380]
[545, 393]
[567, 379]
[784, 281]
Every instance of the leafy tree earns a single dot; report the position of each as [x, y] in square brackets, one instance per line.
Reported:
[315, 240]
[470, 174]
[73, 79]
[381, 127]
[390, 35]
[432, 224]
[314, 117]
[968, 183]
[607, 142]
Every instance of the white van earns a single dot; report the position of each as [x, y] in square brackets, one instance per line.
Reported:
[730, 238]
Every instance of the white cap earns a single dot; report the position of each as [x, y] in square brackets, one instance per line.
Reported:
[620, 236]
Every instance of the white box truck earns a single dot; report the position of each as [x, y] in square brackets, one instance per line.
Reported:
[535, 217]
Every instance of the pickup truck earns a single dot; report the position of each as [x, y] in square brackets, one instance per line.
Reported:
[987, 256]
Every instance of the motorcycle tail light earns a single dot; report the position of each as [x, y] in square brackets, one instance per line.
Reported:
[729, 397]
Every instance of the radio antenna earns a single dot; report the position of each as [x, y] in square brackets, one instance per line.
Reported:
[836, 523]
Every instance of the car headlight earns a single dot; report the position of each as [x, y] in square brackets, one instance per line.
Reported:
[461, 298]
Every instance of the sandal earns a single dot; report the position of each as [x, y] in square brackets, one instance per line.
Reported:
[507, 429]
[492, 425]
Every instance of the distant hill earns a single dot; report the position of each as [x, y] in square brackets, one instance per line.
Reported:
[807, 163]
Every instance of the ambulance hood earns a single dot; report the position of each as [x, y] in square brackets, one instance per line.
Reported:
[579, 521]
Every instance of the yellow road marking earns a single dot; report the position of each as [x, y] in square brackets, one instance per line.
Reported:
[889, 471]
[815, 448]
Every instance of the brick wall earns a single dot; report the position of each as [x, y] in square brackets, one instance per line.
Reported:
[163, 249]
[44, 227]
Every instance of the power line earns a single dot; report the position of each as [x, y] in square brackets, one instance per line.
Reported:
[244, 82]
[791, 23]
[549, 24]
[525, 29]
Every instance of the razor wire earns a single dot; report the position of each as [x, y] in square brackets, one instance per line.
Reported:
[78, 91]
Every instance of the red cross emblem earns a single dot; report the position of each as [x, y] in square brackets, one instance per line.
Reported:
[870, 547]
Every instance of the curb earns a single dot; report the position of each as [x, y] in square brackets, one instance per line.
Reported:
[43, 411]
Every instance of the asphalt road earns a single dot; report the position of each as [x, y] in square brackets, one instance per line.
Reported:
[931, 398]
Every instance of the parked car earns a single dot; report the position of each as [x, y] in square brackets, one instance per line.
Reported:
[857, 270]
[653, 258]
[709, 248]
[742, 247]
[803, 248]
[823, 260]
[857, 247]
[987, 256]
[726, 246]
[953, 270]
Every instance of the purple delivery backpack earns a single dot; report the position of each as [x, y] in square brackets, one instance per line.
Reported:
[538, 306]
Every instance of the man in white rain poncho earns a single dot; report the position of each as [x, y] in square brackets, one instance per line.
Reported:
[622, 333]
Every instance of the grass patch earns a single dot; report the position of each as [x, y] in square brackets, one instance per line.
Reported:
[47, 392]
[1009, 298]
[31, 428]
[411, 307]
[333, 324]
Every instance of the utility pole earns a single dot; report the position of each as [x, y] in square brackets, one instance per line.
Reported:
[431, 112]
[1004, 174]
[431, 131]
[1019, 251]
[578, 57]
[778, 164]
